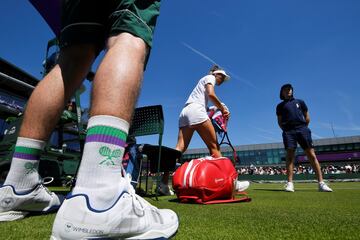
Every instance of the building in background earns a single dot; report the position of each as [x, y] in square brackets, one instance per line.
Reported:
[335, 151]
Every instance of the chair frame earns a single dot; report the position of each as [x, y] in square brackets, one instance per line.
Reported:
[149, 120]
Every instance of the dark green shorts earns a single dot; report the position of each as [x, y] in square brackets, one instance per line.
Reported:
[93, 21]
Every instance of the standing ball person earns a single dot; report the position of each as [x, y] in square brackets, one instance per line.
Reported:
[293, 118]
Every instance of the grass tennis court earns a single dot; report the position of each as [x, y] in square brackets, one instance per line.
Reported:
[272, 214]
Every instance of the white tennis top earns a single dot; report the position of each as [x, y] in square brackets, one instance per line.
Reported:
[198, 94]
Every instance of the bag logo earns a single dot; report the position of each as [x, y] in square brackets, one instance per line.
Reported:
[219, 180]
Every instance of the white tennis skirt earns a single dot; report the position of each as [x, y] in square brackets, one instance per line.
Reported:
[192, 114]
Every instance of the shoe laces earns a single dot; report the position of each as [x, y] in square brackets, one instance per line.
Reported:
[139, 204]
[45, 181]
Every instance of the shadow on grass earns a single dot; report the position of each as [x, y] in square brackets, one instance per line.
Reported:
[281, 190]
[175, 200]
[269, 190]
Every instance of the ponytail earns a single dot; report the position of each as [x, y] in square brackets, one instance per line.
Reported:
[214, 68]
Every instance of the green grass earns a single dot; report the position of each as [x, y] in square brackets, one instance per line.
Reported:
[272, 214]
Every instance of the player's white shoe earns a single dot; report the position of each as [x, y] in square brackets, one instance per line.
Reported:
[289, 187]
[324, 188]
[165, 190]
[242, 185]
[131, 217]
[15, 205]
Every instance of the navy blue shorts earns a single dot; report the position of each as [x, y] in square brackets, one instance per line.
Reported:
[300, 135]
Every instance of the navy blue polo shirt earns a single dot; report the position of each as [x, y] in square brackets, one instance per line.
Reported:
[292, 112]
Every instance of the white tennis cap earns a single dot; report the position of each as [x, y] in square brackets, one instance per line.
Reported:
[227, 77]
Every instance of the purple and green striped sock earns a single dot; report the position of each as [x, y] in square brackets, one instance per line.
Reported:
[100, 173]
[27, 153]
[106, 134]
[110, 143]
[23, 172]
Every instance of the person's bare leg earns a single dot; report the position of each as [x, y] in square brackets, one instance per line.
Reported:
[116, 87]
[184, 137]
[101, 183]
[208, 135]
[290, 157]
[43, 111]
[118, 80]
[41, 115]
[48, 99]
[310, 153]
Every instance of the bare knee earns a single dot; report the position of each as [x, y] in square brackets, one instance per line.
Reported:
[311, 155]
[127, 39]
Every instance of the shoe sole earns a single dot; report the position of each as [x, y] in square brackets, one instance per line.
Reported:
[62, 231]
[324, 191]
[150, 235]
[105, 238]
[145, 236]
[15, 214]
[12, 216]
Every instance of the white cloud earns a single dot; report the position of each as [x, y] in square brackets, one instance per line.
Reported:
[199, 53]
[233, 75]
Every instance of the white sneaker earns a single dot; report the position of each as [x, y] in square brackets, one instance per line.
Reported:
[131, 217]
[165, 190]
[289, 187]
[14, 205]
[324, 188]
[242, 185]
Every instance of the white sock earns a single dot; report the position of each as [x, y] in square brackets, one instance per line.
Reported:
[100, 173]
[23, 174]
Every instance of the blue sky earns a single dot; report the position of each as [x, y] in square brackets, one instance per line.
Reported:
[313, 44]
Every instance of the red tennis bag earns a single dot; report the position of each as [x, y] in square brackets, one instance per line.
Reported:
[206, 181]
